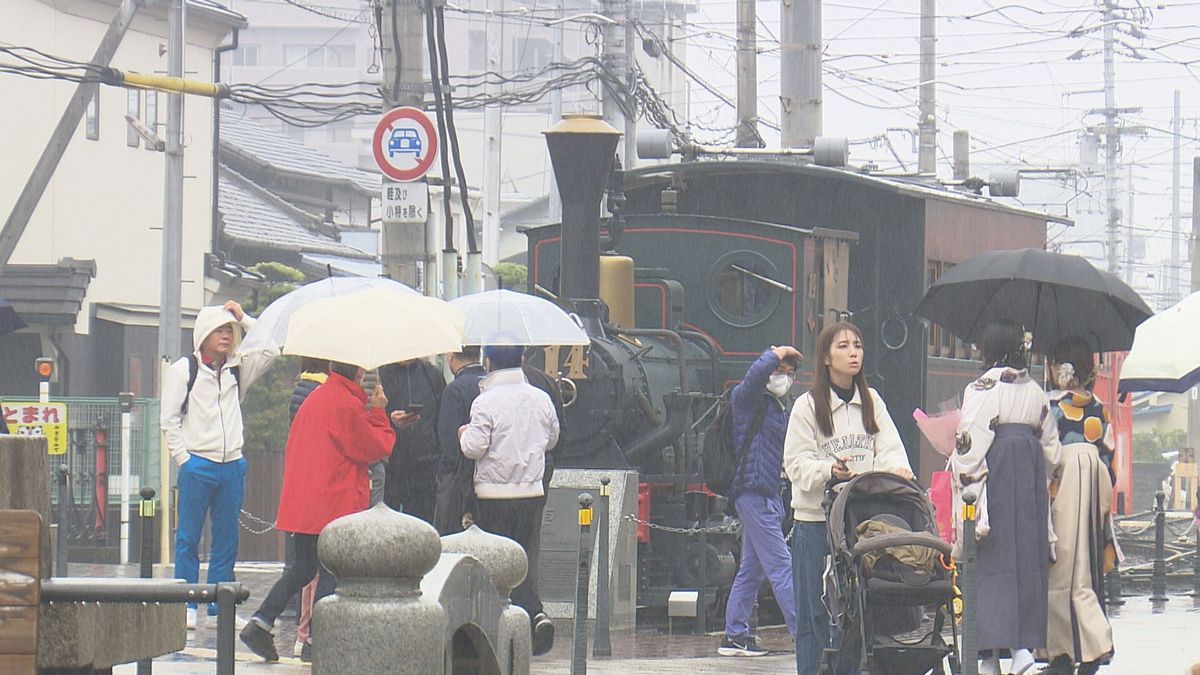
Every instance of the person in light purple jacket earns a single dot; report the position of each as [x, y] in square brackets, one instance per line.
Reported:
[760, 409]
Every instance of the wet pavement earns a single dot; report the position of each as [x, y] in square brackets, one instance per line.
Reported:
[1149, 641]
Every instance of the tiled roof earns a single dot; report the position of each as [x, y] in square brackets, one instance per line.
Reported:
[270, 147]
[253, 216]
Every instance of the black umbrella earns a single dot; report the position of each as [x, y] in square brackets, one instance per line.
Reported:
[1052, 295]
[9, 320]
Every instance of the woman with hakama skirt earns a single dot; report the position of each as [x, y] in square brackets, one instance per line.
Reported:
[1078, 630]
[1006, 449]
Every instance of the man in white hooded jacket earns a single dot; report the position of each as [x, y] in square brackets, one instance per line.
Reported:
[202, 419]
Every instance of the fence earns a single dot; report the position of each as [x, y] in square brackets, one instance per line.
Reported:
[93, 456]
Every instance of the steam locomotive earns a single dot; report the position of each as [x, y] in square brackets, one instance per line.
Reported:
[702, 266]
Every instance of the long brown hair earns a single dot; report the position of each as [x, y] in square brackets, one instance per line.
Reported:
[822, 384]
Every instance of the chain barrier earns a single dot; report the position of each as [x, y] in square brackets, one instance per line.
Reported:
[722, 529]
[254, 520]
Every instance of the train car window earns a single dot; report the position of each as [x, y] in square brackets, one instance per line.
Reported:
[743, 288]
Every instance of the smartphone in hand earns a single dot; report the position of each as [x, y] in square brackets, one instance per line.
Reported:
[414, 408]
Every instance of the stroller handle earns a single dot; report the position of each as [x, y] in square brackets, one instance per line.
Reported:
[900, 539]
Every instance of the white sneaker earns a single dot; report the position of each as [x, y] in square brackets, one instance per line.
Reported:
[1022, 661]
[297, 648]
[191, 618]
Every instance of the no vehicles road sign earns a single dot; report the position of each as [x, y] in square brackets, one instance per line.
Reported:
[405, 144]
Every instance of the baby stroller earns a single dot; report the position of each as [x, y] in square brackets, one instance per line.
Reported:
[886, 564]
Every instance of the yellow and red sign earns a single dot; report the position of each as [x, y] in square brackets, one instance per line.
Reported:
[30, 418]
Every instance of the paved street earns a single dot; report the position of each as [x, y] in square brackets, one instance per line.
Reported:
[1148, 643]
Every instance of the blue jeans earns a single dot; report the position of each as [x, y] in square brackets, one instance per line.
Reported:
[764, 556]
[203, 486]
[810, 545]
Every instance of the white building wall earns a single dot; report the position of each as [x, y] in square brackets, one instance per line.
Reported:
[105, 200]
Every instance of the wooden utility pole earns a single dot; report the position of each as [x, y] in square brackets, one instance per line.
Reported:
[747, 76]
[402, 40]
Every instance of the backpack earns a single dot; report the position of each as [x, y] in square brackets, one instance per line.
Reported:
[722, 455]
[193, 370]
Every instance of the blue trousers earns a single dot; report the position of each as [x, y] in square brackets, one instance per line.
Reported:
[765, 556]
[209, 486]
[810, 545]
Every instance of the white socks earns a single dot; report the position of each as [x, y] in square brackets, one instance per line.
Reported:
[1022, 660]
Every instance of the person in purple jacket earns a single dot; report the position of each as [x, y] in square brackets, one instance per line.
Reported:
[760, 410]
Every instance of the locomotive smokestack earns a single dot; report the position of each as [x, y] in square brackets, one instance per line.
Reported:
[581, 152]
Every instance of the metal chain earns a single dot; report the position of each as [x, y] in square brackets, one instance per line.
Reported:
[723, 529]
[267, 527]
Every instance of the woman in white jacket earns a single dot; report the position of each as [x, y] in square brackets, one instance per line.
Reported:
[838, 429]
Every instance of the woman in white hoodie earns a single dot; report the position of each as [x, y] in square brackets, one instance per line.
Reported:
[838, 429]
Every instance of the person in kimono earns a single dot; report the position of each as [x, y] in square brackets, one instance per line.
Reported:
[1007, 446]
[1078, 629]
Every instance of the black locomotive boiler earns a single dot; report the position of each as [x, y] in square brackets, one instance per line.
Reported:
[704, 265]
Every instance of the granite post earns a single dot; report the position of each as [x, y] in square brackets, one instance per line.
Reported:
[378, 621]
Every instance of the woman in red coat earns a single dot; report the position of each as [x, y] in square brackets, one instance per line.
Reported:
[333, 440]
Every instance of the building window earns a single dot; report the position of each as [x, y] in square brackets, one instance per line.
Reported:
[531, 53]
[92, 118]
[339, 132]
[319, 56]
[151, 119]
[477, 51]
[245, 55]
[132, 138]
[295, 133]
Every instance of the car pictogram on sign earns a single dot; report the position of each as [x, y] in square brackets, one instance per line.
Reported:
[404, 141]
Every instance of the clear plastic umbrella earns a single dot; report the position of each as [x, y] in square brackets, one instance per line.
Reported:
[272, 327]
[1165, 354]
[374, 327]
[517, 318]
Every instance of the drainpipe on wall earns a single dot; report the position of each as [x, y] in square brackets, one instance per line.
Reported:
[216, 144]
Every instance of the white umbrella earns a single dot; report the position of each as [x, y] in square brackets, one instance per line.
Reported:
[374, 327]
[270, 332]
[517, 318]
[1165, 354]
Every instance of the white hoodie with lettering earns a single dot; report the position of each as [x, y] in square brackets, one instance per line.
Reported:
[212, 427]
[809, 455]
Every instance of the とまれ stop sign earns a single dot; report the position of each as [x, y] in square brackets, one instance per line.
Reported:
[405, 144]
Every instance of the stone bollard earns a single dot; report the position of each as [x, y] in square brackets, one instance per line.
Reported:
[378, 621]
[505, 563]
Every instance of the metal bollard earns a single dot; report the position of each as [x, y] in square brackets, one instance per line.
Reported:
[146, 554]
[226, 616]
[579, 656]
[61, 542]
[702, 596]
[1196, 559]
[602, 646]
[1115, 594]
[1158, 583]
[966, 581]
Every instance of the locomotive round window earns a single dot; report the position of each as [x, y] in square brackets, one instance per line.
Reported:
[740, 291]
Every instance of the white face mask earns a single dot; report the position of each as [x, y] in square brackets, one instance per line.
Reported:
[780, 384]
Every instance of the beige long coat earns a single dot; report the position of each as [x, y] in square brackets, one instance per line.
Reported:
[1077, 624]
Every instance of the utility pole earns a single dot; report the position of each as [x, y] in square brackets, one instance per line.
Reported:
[616, 61]
[927, 124]
[1176, 270]
[554, 207]
[747, 75]
[43, 171]
[1193, 402]
[1111, 140]
[1129, 230]
[402, 43]
[493, 129]
[169, 312]
[800, 64]
[630, 120]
